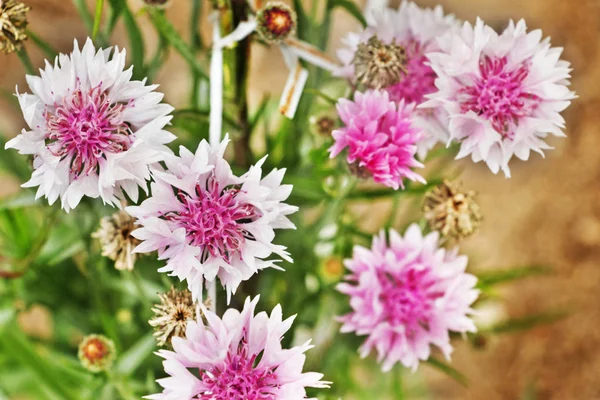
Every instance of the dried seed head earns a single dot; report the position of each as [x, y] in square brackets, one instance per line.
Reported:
[171, 315]
[378, 65]
[115, 238]
[323, 125]
[452, 212]
[96, 353]
[13, 21]
[359, 171]
[276, 21]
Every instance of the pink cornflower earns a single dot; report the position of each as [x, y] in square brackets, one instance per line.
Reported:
[407, 296]
[503, 92]
[380, 137]
[414, 30]
[94, 131]
[236, 357]
[207, 222]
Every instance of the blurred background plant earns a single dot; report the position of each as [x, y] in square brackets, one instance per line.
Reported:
[52, 272]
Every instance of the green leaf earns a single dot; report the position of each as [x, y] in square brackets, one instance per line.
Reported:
[527, 322]
[489, 278]
[116, 8]
[351, 7]
[97, 18]
[136, 43]
[17, 346]
[165, 28]
[448, 370]
[135, 356]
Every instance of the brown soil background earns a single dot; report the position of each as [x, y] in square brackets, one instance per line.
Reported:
[548, 213]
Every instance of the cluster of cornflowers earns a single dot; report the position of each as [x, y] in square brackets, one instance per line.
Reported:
[419, 78]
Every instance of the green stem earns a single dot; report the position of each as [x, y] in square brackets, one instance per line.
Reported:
[196, 42]
[46, 47]
[26, 61]
[84, 13]
[124, 391]
[139, 285]
[398, 387]
[97, 18]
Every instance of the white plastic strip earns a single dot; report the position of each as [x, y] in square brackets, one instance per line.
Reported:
[311, 54]
[216, 86]
[244, 29]
[293, 91]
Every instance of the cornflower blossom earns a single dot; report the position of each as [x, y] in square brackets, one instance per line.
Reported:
[503, 92]
[275, 23]
[208, 223]
[93, 131]
[238, 356]
[406, 296]
[380, 138]
[391, 54]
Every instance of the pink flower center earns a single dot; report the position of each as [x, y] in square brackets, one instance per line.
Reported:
[214, 219]
[239, 379]
[419, 79]
[408, 298]
[499, 95]
[84, 128]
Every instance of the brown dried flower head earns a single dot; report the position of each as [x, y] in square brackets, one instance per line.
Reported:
[276, 21]
[96, 353]
[171, 315]
[13, 21]
[323, 124]
[115, 238]
[451, 211]
[378, 65]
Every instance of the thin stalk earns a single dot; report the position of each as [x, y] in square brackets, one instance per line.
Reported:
[26, 61]
[42, 45]
[397, 383]
[84, 13]
[124, 391]
[97, 18]
[196, 44]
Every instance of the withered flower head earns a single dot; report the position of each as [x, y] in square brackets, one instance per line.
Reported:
[96, 353]
[378, 65]
[323, 125]
[13, 21]
[452, 212]
[359, 171]
[276, 21]
[115, 238]
[171, 315]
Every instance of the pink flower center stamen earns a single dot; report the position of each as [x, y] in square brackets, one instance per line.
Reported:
[499, 95]
[86, 127]
[419, 78]
[408, 297]
[214, 219]
[238, 378]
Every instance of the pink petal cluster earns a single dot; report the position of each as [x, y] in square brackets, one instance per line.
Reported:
[380, 137]
[208, 223]
[503, 92]
[236, 357]
[407, 296]
[93, 131]
[416, 29]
